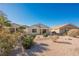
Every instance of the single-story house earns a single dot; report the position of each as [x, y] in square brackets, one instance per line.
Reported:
[37, 29]
[13, 27]
[62, 29]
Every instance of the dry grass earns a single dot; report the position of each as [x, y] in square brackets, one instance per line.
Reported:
[73, 32]
[7, 41]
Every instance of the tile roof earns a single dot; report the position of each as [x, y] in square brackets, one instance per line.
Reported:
[39, 25]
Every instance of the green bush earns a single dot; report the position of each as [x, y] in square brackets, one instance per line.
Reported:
[45, 34]
[28, 41]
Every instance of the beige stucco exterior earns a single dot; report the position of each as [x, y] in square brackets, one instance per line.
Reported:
[63, 28]
[39, 30]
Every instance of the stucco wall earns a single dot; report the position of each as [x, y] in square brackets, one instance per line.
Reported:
[39, 30]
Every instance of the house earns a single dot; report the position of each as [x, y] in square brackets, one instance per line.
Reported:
[62, 29]
[27, 30]
[37, 29]
[13, 27]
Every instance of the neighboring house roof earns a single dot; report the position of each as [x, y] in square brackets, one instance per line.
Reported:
[71, 25]
[63, 26]
[25, 26]
[39, 25]
[15, 25]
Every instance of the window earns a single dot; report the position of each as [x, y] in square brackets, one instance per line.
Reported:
[44, 30]
[34, 30]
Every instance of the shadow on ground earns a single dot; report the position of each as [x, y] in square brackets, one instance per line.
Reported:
[63, 42]
[16, 52]
[37, 48]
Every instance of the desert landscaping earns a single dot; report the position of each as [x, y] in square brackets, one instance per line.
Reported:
[45, 46]
[64, 46]
[37, 39]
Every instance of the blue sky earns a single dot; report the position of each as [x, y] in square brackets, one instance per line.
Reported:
[49, 14]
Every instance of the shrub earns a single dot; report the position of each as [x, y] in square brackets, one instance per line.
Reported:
[45, 34]
[7, 42]
[28, 41]
[73, 32]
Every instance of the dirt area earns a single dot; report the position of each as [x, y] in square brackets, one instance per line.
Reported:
[65, 46]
